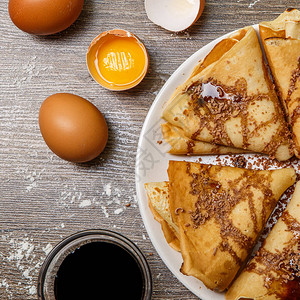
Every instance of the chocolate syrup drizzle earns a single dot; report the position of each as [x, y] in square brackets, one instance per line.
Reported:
[216, 202]
[281, 270]
[214, 103]
[296, 111]
[294, 77]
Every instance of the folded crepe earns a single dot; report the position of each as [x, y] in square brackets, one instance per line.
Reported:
[230, 101]
[158, 201]
[281, 41]
[217, 52]
[220, 212]
[274, 272]
[180, 144]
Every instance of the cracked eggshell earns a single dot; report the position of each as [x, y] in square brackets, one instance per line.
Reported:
[174, 15]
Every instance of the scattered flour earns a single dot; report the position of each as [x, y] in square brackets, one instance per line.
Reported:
[85, 203]
[253, 3]
[69, 196]
[110, 199]
[104, 210]
[118, 211]
[4, 283]
[107, 189]
[21, 256]
[21, 249]
[32, 290]
[117, 200]
[28, 71]
[30, 177]
[47, 248]
[26, 274]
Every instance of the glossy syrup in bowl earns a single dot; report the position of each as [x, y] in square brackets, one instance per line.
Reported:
[97, 268]
[95, 264]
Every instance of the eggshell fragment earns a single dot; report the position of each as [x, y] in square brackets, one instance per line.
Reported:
[174, 15]
[43, 17]
[72, 127]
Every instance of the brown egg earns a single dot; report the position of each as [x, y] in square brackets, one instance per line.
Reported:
[44, 17]
[72, 127]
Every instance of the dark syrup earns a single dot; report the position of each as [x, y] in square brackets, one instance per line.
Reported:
[291, 290]
[99, 270]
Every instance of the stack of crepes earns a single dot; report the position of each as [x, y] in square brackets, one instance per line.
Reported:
[213, 215]
[230, 105]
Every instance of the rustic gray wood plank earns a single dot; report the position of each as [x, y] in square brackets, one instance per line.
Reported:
[43, 198]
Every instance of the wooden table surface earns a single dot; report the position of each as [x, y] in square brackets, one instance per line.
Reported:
[43, 198]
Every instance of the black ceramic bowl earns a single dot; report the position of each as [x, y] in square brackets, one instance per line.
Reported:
[54, 260]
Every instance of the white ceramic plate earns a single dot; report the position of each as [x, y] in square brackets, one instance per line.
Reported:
[152, 163]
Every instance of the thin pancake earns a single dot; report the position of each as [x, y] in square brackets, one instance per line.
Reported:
[277, 28]
[232, 103]
[180, 144]
[218, 51]
[215, 54]
[158, 200]
[281, 41]
[274, 272]
[220, 211]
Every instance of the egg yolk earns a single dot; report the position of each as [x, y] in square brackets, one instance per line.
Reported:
[120, 60]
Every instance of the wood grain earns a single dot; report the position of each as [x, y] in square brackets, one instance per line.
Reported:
[43, 198]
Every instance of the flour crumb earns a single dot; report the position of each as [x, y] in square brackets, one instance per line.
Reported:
[104, 211]
[47, 248]
[107, 189]
[62, 225]
[32, 290]
[253, 3]
[26, 274]
[85, 203]
[23, 249]
[4, 283]
[31, 177]
[118, 211]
